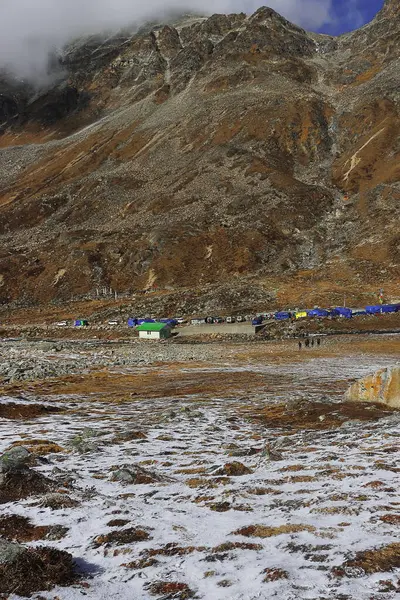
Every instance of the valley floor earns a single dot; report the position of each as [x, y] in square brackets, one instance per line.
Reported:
[240, 475]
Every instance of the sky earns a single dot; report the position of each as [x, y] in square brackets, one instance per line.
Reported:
[30, 30]
[350, 14]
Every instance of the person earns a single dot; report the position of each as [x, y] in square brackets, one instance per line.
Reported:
[312, 342]
[300, 345]
[318, 342]
[307, 342]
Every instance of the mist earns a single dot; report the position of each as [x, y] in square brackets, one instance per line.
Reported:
[33, 30]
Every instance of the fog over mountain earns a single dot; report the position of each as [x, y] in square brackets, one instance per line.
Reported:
[31, 31]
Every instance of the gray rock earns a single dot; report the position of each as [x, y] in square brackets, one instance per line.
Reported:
[9, 551]
[15, 459]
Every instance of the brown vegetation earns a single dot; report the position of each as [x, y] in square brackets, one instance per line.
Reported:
[379, 560]
[20, 529]
[169, 589]
[274, 574]
[315, 415]
[36, 569]
[264, 531]
[122, 536]
[39, 447]
[11, 410]
[23, 484]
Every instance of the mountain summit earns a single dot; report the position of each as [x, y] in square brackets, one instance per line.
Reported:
[210, 150]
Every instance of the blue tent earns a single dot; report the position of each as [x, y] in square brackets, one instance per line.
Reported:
[171, 322]
[342, 311]
[141, 321]
[318, 312]
[282, 316]
[390, 308]
[132, 322]
[382, 308]
[374, 310]
[257, 321]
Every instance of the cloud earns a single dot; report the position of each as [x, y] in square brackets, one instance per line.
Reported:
[30, 30]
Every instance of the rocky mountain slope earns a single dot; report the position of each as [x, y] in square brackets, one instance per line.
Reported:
[211, 150]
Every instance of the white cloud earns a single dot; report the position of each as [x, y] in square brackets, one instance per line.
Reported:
[30, 29]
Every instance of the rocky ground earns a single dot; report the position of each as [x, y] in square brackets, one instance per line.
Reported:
[24, 360]
[222, 471]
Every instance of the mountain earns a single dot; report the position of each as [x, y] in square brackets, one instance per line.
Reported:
[228, 150]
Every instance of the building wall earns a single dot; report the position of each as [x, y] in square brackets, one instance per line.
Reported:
[149, 335]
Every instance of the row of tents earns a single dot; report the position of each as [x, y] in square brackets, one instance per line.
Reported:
[134, 322]
[339, 311]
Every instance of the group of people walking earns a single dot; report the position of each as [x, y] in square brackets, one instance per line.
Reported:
[309, 342]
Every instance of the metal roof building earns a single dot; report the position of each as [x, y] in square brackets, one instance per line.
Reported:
[154, 331]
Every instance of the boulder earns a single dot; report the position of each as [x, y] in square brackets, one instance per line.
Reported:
[15, 459]
[9, 551]
[383, 387]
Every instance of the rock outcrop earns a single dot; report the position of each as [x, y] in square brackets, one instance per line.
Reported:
[383, 387]
[205, 150]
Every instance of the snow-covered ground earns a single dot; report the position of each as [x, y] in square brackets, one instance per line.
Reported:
[323, 499]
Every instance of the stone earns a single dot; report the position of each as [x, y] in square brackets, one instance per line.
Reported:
[14, 459]
[382, 387]
[9, 551]
[135, 474]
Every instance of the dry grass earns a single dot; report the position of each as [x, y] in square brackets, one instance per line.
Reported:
[314, 415]
[117, 523]
[26, 411]
[39, 447]
[207, 483]
[391, 519]
[379, 560]
[228, 546]
[272, 574]
[142, 563]
[264, 531]
[172, 549]
[20, 529]
[109, 387]
[23, 484]
[234, 469]
[36, 569]
[170, 589]
[120, 537]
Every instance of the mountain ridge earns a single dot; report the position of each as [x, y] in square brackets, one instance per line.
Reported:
[230, 148]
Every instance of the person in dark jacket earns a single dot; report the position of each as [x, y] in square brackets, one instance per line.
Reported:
[307, 343]
[318, 342]
[300, 345]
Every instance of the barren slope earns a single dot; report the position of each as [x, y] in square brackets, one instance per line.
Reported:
[188, 154]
